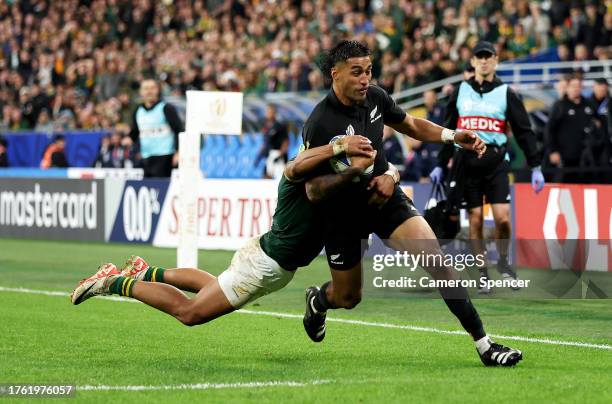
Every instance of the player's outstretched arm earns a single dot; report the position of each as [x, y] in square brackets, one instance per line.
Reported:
[427, 131]
[322, 187]
[307, 160]
[420, 129]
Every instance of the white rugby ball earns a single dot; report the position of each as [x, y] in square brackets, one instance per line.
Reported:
[341, 163]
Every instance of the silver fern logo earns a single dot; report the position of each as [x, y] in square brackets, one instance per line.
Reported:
[373, 116]
[373, 112]
[350, 131]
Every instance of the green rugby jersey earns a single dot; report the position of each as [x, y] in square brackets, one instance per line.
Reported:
[296, 237]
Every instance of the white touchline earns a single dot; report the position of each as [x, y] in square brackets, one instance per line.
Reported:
[346, 321]
[435, 330]
[203, 386]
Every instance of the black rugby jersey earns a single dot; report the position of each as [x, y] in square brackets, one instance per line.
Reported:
[331, 118]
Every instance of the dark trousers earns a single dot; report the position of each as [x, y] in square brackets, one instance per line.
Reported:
[157, 166]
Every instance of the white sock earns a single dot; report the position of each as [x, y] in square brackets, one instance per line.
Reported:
[483, 344]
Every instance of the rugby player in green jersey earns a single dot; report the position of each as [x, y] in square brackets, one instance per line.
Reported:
[265, 264]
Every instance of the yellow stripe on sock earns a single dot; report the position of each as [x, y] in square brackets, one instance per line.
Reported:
[125, 281]
[153, 275]
[127, 289]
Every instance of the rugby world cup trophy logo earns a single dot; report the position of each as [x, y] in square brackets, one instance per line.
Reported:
[218, 107]
[350, 131]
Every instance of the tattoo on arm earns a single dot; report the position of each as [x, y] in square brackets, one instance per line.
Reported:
[306, 162]
[321, 188]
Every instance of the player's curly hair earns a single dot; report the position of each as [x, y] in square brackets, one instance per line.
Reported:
[343, 51]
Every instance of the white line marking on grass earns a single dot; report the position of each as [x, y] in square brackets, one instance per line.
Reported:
[347, 321]
[204, 386]
[436, 330]
[56, 293]
[429, 329]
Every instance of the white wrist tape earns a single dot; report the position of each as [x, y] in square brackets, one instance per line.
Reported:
[338, 147]
[392, 174]
[448, 136]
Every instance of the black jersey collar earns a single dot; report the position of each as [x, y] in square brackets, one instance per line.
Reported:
[333, 99]
[152, 106]
[486, 85]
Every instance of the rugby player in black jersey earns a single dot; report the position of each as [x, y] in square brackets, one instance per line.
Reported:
[376, 204]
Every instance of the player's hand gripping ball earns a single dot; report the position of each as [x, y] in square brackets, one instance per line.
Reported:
[341, 162]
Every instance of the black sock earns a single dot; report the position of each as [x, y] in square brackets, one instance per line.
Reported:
[320, 301]
[503, 259]
[461, 306]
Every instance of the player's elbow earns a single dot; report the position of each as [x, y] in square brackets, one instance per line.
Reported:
[294, 171]
[313, 194]
[290, 172]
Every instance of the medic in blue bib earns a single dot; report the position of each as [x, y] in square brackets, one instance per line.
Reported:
[490, 108]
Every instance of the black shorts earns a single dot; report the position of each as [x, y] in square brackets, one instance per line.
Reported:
[157, 166]
[486, 177]
[347, 233]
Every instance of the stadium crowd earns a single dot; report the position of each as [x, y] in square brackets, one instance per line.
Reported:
[78, 63]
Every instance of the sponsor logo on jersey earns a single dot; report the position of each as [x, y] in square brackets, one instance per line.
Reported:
[481, 107]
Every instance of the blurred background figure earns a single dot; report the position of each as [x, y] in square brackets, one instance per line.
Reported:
[275, 146]
[413, 164]
[435, 110]
[155, 128]
[112, 153]
[561, 86]
[103, 158]
[131, 154]
[43, 122]
[601, 100]
[117, 154]
[601, 143]
[55, 154]
[394, 152]
[3, 153]
[117, 151]
[428, 152]
[572, 132]
[468, 72]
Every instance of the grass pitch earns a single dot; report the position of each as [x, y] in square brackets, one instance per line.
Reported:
[113, 347]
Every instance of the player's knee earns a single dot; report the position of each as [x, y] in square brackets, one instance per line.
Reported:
[475, 222]
[504, 224]
[187, 319]
[190, 317]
